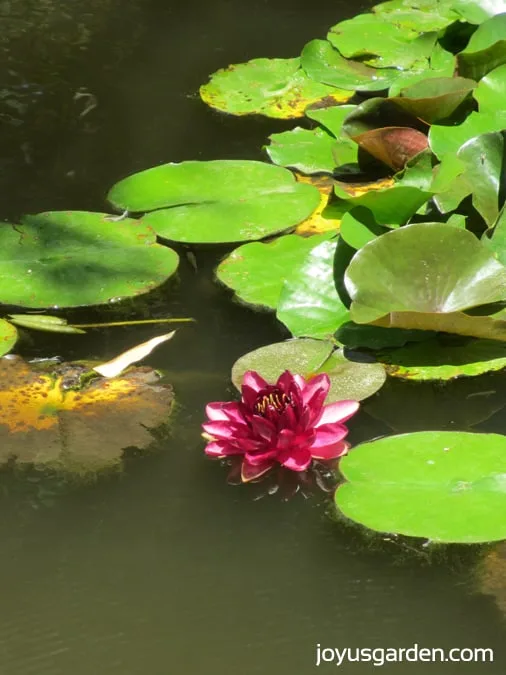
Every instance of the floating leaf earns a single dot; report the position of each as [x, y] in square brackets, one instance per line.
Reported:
[436, 98]
[50, 324]
[351, 378]
[302, 356]
[324, 64]
[478, 11]
[491, 90]
[272, 87]
[216, 202]
[394, 146]
[8, 336]
[440, 64]
[497, 240]
[409, 270]
[391, 206]
[257, 271]
[420, 15]
[380, 42]
[436, 360]
[309, 151]
[454, 483]
[308, 304]
[358, 227]
[71, 258]
[47, 424]
[485, 50]
[116, 366]
[355, 335]
[444, 139]
[331, 118]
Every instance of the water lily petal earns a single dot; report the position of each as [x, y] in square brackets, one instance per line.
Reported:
[252, 383]
[221, 449]
[262, 427]
[295, 459]
[331, 451]
[251, 472]
[262, 456]
[223, 430]
[328, 434]
[340, 411]
[285, 382]
[224, 411]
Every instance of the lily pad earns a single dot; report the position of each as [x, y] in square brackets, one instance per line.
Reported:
[409, 270]
[214, 202]
[324, 218]
[331, 118]
[308, 304]
[420, 15]
[485, 50]
[309, 151]
[435, 360]
[257, 271]
[440, 64]
[478, 11]
[323, 63]
[444, 140]
[491, 90]
[380, 42]
[44, 423]
[355, 335]
[495, 239]
[391, 206]
[72, 258]
[302, 356]
[358, 227]
[352, 378]
[8, 336]
[44, 322]
[454, 483]
[272, 87]
[436, 98]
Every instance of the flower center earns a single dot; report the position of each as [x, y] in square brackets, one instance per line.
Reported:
[274, 401]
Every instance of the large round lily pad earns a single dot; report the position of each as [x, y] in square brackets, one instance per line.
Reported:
[352, 377]
[272, 87]
[220, 201]
[421, 15]
[72, 258]
[409, 270]
[440, 485]
[47, 423]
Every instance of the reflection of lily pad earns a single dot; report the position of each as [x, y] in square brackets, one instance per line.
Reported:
[272, 87]
[441, 485]
[44, 423]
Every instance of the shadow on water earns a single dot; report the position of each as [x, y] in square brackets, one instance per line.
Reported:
[164, 568]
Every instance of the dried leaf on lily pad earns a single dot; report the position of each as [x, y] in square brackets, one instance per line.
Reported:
[319, 221]
[47, 423]
[120, 363]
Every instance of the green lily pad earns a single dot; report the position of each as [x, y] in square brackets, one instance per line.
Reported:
[454, 483]
[257, 271]
[309, 151]
[331, 118]
[216, 202]
[8, 336]
[485, 50]
[380, 42]
[358, 227]
[495, 240]
[444, 140]
[440, 64]
[434, 360]
[419, 15]
[301, 356]
[72, 258]
[272, 87]
[478, 11]
[436, 98]
[308, 304]
[350, 378]
[324, 64]
[409, 270]
[43, 322]
[491, 90]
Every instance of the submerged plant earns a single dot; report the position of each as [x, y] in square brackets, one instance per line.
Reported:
[283, 424]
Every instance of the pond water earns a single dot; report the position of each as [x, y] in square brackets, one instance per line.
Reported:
[165, 568]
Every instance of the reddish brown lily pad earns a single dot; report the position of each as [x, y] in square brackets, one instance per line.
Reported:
[394, 146]
[42, 423]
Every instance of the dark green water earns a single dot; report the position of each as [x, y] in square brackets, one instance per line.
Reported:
[166, 569]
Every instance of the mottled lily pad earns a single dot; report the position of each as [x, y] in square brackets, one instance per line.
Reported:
[454, 483]
[352, 377]
[272, 87]
[46, 422]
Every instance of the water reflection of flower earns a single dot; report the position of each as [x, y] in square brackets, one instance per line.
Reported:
[284, 427]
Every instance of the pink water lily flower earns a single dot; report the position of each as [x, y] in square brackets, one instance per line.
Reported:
[283, 424]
